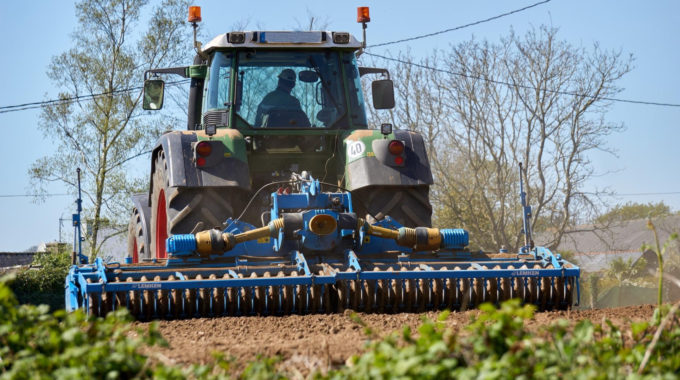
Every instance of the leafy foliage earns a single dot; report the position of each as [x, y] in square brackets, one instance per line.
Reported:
[634, 210]
[496, 344]
[99, 126]
[36, 344]
[43, 282]
[499, 345]
[625, 270]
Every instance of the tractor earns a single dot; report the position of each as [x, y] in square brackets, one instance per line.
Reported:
[279, 198]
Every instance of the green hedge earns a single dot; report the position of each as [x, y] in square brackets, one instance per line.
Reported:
[496, 344]
[44, 282]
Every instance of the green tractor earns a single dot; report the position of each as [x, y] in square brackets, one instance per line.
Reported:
[264, 105]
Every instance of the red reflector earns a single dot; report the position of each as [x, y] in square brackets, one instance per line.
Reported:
[396, 147]
[399, 160]
[203, 148]
[200, 161]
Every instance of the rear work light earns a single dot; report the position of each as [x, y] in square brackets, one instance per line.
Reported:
[236, 37]
[203, 149]
[396, 147]
[340, 38]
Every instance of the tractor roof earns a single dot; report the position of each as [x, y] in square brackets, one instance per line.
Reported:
[283, 39]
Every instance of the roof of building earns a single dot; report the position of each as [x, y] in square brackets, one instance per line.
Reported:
[623, 236]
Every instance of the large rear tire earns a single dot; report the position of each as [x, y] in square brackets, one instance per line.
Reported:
[138, 248]
[410, 206]
[176, 210]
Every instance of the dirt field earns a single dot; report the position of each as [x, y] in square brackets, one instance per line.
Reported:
[318, 341]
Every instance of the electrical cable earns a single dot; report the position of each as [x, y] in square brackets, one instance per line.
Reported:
[33, 105]
[31, 196]
[643, 194]
[328, 184]
[458, 27]
[477, 77]
[253, 198]
[288, 182]
[27, 106]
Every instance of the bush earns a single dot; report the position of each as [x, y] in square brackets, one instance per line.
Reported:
[497, 343]
[37, 344]
[43, 282]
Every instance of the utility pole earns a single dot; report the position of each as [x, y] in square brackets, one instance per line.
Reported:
[61, 221]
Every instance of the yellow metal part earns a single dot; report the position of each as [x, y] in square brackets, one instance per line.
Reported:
[203, 242]
[322, 224]
[434, 240]
[213, 241]
[382, 232]
[268, 230]
[407, 237]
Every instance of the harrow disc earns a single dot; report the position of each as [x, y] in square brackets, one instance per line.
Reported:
[153, 292]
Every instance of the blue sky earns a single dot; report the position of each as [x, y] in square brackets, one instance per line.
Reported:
[647, 160]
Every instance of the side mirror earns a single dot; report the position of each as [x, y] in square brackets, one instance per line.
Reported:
[153, 94]
[383, 94]
[308, 76]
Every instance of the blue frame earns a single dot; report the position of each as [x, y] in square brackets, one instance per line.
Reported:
[370, 259]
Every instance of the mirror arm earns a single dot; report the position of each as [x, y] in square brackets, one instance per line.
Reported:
[373, 70]
[181, 71]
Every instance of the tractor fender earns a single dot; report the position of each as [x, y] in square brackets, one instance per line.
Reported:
[368, 163]
[231, 170]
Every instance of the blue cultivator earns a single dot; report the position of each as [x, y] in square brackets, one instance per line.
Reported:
[317, 256]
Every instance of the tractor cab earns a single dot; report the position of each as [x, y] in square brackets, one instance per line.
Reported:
[289, 85]
[277, 80]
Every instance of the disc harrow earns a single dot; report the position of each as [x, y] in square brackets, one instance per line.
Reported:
[153, 293]
[317, 256]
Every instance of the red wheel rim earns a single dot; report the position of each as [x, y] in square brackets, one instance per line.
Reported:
[135, 257]
[161, 227]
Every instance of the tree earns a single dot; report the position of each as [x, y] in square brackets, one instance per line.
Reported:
[485, 107]
[98, 124]
[634, 210]
[624, 271]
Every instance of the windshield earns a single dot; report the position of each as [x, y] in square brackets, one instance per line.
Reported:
[284, 89]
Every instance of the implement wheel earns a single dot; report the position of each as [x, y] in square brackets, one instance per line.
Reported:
[176, 210]
[410, 206]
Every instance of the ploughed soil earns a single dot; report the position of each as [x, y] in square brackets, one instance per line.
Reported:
[308, 342]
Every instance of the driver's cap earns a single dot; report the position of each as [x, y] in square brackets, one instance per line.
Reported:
[288, 74]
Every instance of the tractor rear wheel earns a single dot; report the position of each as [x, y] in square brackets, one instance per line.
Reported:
[137, 242]
[410, 206]
[176, 210]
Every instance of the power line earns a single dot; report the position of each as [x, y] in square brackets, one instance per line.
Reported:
[65, 194]
[477, 77]
[459, 27]
[642, 194]
[32, 196]
[33, 105]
